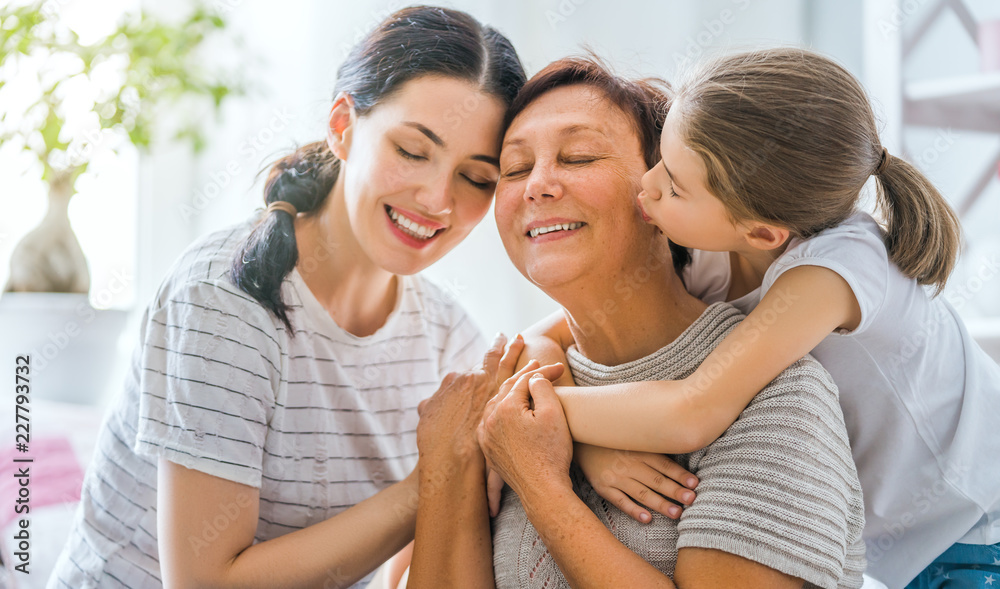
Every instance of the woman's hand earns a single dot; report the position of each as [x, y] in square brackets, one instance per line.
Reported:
[524, 433]
[449, 418]
[627, 479]
[453, 546]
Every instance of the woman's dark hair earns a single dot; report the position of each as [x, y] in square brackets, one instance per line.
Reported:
[410, 43]
[644, 101]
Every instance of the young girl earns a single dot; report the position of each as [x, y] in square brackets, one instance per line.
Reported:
[266, 434]
[764, 157]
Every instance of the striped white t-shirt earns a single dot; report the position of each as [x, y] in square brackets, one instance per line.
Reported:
[318, 422]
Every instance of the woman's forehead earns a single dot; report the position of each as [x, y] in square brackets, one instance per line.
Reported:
[570, 110]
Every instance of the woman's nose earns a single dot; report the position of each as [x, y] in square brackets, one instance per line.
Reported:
[436, 197]
[542, 182]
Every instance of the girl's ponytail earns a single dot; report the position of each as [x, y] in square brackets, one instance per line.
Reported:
[303, 180]
[789, 137]
[923, 233]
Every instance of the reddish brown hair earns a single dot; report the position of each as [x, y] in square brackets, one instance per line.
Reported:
[644, 102]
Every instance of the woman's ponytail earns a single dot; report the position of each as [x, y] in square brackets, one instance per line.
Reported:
[923, 233]
[303, 180]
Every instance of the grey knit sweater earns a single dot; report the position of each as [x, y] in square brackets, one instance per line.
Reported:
[779, 487]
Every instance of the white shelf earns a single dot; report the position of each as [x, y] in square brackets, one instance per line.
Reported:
[981, 90]
[969, 102]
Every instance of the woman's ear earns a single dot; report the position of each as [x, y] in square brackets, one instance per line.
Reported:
[340, 125]
[765, 237]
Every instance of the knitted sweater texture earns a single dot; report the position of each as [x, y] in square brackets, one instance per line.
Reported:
[779, 487]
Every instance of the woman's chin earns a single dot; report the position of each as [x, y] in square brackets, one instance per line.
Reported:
[406, 265]
[546, 274]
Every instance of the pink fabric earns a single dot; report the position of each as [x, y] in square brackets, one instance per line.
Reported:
[55, 476]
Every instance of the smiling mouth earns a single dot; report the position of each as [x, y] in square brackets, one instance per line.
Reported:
[553, 228]
[409, 226]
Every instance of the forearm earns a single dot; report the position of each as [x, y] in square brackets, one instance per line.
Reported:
[453, 545]
[667, 417]
[336, 552]
[582, 546]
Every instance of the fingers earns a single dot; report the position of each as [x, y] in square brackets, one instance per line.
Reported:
[532, 365]
[666, 477]
[494, 490]
[509, 384]
[517, 388]
[543, 396]
[625, 503]
[551, 372]
[667, 488]
[491, 361]
[420, 407]
[509, 361]
[651, 498]
[672, 470]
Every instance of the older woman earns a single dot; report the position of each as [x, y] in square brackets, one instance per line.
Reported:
[779, 503]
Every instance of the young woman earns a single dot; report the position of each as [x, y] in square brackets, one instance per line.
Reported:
[266, 435]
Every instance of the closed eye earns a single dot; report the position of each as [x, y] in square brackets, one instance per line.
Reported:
[519, 172]
[408, 155]
[479, 185]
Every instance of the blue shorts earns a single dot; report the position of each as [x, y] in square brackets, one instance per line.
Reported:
[962, 566]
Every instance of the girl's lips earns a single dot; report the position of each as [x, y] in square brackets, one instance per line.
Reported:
[645, 217]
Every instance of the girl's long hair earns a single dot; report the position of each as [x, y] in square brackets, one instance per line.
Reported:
[788, 137]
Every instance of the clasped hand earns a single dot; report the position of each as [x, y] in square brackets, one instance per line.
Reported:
[524, 437]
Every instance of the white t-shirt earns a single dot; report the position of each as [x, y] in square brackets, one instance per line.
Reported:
[318, 422]
[921, 399]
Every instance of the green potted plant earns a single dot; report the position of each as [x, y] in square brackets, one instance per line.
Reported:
[143, 67]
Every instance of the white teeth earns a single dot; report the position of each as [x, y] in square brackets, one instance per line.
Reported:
[410, 226]
[557, 227]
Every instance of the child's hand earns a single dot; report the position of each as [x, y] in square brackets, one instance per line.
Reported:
[626, 479]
